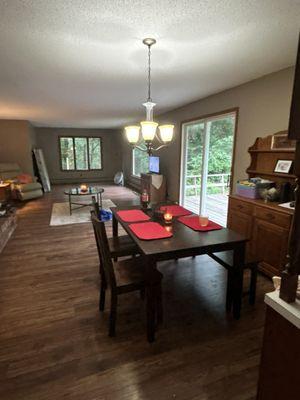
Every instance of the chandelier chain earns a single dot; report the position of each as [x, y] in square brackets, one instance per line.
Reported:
[149, 74]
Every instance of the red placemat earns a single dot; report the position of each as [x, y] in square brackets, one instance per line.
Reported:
[133, 215]
[149, 231]
[193, 222]
[175, 210]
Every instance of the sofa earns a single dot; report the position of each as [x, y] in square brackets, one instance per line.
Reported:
[11, 172]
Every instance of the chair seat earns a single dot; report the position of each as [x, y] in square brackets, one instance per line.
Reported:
[122, 246]
[131, 272]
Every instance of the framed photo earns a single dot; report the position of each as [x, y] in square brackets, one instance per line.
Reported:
[280, 141]
[283, 166]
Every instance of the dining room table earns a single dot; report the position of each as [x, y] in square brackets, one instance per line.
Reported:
[183, 241]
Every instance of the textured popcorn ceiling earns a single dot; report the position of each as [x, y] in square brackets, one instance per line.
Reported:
[81, 62]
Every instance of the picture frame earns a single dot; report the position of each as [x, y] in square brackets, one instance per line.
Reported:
[281, 141]
[283, 166]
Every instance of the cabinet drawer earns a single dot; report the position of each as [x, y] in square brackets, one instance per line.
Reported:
[274, 217]
[241, 206]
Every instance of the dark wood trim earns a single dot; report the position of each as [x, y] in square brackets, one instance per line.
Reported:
[206, 116]
[74, 153]
[210, 115]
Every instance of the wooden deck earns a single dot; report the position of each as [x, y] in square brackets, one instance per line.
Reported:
[217, 205]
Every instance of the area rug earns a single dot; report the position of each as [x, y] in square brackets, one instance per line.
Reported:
[61, 213]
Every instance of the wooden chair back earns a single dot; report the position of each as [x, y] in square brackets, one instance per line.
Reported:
[103, 250]
[96, 206]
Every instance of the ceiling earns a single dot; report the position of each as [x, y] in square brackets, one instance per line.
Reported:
[81, 63]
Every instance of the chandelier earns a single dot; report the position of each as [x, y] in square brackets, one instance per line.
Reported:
[149, 127]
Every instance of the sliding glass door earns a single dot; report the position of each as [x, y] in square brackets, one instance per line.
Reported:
[207, 152]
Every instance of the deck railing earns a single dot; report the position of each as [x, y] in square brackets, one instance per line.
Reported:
[221, 181]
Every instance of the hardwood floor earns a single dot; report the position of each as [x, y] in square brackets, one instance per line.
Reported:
[54, 343]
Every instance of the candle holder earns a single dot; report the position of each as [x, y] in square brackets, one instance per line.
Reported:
[83, 188]
[203, 220]
[168, 217]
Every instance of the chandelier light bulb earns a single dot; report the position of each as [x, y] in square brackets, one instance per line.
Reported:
[166, 132]
[148, 130]
[132, 133]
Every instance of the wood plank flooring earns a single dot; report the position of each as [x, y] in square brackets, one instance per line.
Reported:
[54, 343]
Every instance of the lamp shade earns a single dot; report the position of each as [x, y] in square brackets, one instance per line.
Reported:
[132, 133]
[166, 132]
[148, 130]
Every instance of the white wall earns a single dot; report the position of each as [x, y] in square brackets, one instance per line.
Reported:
[16, 141]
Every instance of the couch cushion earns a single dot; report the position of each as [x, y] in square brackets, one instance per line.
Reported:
[28, 187]
[33, 194]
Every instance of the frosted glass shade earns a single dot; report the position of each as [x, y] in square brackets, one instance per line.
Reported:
[148, 130]
[166, 132]
[132, 133]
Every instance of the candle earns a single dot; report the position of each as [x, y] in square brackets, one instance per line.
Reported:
[83, 188]
[203, 220]
[168, 217]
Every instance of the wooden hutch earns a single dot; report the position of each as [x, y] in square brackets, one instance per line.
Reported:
[266, 224]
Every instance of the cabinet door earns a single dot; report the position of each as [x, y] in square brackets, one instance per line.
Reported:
[241, 223]
[270, 245]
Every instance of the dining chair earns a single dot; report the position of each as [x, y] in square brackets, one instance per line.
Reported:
[120, 246]
[122, 276]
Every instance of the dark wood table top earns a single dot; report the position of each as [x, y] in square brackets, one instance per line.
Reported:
[184, 240]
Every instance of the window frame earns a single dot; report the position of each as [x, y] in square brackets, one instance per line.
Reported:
[132, 163]
[73, 137]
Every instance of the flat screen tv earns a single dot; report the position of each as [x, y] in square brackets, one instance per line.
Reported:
[154, 165]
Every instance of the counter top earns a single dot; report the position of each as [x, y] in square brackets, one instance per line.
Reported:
[290, 311]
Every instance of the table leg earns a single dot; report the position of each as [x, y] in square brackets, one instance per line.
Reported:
[230, 289]
[237, 278]
[151, 289]
[115, 226]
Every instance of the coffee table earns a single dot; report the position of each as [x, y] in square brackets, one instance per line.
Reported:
[76, 191]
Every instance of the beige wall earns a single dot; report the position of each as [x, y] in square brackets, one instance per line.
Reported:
[263, 109]
[16, 140]
[47, 139]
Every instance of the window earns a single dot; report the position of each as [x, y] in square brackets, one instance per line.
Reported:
[140, 162]
[80, 153]
[207, 154]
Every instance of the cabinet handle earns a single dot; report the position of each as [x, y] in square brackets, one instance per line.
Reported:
[270, 216]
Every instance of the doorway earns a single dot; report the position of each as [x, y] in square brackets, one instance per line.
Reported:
[206, 165]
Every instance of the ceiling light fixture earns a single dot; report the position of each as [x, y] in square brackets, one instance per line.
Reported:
[149, 127]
